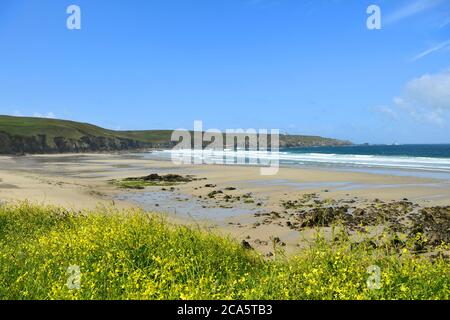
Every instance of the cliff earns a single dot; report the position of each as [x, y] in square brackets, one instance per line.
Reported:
[19, 135]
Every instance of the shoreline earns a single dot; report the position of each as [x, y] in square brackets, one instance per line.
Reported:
[81, 181]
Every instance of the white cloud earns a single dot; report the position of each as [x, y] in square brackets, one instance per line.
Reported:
[49, 115]
[425, 99]
[388, 111]
[445, 23]
[438, 47]
[430, 91]
[413, 8]
[18, 113]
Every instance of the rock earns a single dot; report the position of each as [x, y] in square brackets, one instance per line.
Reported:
[213, 194]
[154, 177]
[275, 215]
[246, 245]
[276, 240]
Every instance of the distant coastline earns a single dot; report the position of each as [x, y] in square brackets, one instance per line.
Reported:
[26, 135]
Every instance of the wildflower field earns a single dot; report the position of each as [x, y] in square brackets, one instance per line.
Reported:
[135, 255]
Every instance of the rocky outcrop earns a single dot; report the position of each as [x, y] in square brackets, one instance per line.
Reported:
[294, 141]
[40, 144]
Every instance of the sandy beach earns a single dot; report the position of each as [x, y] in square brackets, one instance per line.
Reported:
[232, 200]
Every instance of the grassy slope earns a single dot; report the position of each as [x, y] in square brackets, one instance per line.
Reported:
[25, 126]
[29, 127]
[132, 255]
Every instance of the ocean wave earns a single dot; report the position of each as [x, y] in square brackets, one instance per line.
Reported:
[330, 159]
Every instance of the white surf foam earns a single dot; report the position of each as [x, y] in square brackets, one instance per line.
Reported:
[399, 162]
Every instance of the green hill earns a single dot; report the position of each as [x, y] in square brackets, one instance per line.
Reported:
[20, 135]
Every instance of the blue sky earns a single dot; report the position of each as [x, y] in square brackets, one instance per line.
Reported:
[308, 67]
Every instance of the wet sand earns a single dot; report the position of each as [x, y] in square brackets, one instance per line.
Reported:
[241, 195]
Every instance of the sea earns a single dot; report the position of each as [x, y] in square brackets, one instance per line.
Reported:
[419, 160]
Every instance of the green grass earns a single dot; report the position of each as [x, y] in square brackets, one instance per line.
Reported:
[134, 255]
[51, 128]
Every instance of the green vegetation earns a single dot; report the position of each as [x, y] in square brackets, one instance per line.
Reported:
[134, 255]
[41, 135]
[51, 128]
